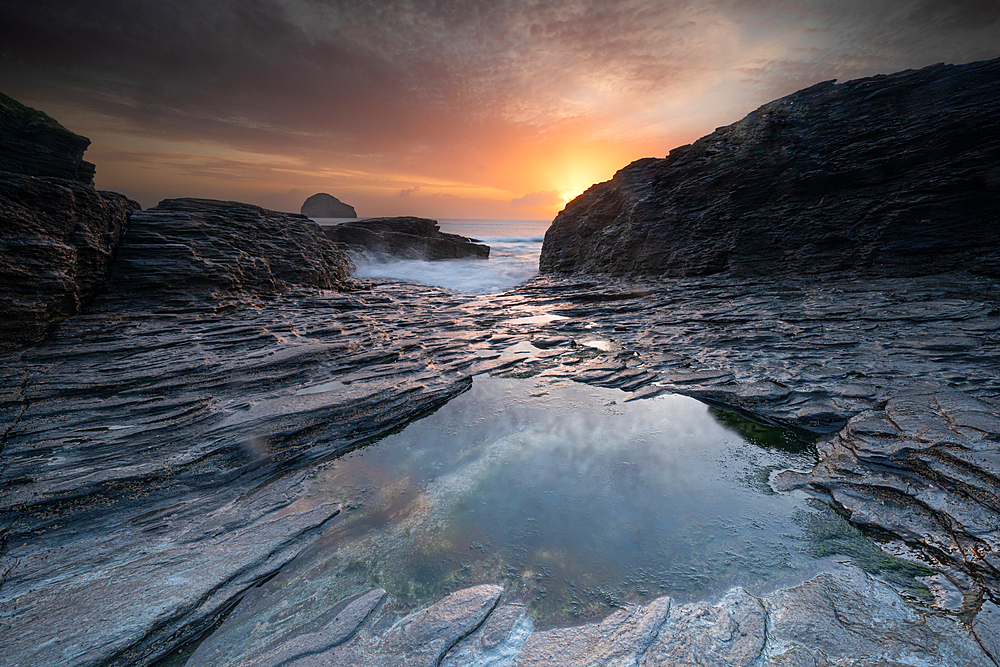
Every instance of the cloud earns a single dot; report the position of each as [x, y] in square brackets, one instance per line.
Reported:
[406, 192]
[540, 199]
[428, 90]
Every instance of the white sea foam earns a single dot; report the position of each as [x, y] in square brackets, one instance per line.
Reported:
[513, 259]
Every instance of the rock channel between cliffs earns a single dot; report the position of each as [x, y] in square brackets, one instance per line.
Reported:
[155, 445]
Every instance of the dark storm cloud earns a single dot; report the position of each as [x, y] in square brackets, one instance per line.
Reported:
[386, 71]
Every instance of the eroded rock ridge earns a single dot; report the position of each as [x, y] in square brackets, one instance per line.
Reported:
[206, 246]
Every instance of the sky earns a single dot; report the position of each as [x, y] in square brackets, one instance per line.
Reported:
[439, 108]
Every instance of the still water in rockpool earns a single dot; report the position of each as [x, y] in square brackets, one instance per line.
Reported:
[573, 499]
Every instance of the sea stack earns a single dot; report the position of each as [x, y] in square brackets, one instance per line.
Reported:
[322, 205]
[891, 175]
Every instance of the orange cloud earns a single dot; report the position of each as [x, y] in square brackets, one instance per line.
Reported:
[465, 107]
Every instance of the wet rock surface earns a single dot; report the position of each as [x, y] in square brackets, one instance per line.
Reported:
[322, 205]
[413, 238]
[154, 451]
[841, 618]
[888, 175]
[59, 234]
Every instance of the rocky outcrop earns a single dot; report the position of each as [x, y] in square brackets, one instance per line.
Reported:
[36, 145]
[203, 246]
[59, 234]
[892, 175]
[414, 238]
[322, 205]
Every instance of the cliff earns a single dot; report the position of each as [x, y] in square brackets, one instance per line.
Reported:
[891, 175]
[58, 234]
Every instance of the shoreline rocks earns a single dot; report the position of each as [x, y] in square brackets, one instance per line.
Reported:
[407, 237]
[203, 246]
[891, 175]
[841, 617]
[322, 205]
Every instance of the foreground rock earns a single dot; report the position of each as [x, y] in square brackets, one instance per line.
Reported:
[155, 451]
[891, 175]
[844, 617]
[924, 468]
[133, 518]
[322, 205]
[413, 238]
[203, 246]
[59, 234]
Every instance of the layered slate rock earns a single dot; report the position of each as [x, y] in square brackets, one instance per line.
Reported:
[409, 237]
[203, 246]
[58, 234]
[420, 639]
[843, 617]
[925, 468]
[173, 480]
[154, 458]
[322, 205]
[894, 175]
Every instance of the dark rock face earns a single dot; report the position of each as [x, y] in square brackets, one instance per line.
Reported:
[58, 233]
[416, 238]
[890, 175]
[322, 205]
[202, 246]
[36, 145]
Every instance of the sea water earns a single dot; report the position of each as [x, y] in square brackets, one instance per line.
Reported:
[514, 249]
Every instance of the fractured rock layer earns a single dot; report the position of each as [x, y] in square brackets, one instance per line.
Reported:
[202, 246]
[843, 617]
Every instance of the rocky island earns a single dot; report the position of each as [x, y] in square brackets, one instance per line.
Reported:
[405, 236]
[162, 437]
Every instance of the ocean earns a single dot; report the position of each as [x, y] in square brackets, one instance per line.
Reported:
[514, 249]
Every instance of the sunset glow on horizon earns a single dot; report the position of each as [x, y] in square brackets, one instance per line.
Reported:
[502, 109]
